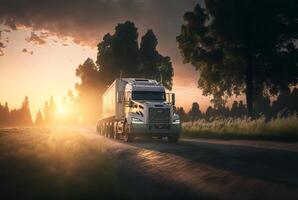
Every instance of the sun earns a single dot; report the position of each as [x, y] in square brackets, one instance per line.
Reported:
[60, 111]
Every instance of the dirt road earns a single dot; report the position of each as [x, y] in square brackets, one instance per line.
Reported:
[75, 163]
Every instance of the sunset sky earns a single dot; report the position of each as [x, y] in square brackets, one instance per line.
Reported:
[43, 42]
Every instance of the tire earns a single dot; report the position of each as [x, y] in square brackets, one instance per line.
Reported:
[110, 132]
[116, 135]
[97, 129]
[106, 131]
[128, 136]
[173, 138]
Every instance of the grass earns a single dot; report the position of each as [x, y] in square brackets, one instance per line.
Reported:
[276, 129]
[56, 164]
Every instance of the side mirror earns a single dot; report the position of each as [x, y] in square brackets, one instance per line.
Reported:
[130, 104]
[173, 99]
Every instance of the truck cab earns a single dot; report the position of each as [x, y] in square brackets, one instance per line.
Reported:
[141, 107]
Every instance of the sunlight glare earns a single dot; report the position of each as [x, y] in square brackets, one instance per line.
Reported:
[60, 110]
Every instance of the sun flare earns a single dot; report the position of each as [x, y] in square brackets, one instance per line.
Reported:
[60, 111]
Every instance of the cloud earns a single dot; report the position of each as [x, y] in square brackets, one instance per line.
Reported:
[37, 40]
[87, 21]
[28, 52]
[10, 23]
[2, 45]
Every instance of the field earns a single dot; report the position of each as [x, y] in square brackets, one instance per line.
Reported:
[277, 129]
[76, 163]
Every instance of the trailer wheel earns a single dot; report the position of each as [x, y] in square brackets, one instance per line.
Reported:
[115, 131]
[97, 129]
[106, 131]
[110, 132]
[128, 136]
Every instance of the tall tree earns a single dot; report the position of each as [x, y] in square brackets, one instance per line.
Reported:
[39, 121]
[183, 116]
[120, 52]
[234, 112]
[90, 90]
[25, 113]
[165, 72]
[242, 47]
[149, 56]
[195, 112]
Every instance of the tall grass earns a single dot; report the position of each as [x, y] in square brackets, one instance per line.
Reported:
[276, 129]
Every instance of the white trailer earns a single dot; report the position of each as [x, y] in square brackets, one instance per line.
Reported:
[134, 107]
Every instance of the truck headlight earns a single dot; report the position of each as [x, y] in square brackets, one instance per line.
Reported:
[176, 121]
[136, 121]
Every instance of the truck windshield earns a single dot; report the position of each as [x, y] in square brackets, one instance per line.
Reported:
[148, 95]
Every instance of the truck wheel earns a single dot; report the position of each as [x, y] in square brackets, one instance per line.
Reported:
[173, 138]
[128, 136]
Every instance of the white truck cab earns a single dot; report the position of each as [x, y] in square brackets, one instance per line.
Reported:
[135, 107]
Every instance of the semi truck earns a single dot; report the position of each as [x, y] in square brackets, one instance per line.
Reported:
[138, 107]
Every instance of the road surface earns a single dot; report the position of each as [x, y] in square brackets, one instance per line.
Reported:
[76, 163]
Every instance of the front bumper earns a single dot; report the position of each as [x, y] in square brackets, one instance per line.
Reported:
[156, 129]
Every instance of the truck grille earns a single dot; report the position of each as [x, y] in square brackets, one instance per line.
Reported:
[159, 115]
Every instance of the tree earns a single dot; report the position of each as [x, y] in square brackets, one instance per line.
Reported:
[195, 112]
[210, 113]
[234, 110]
[165, 72]
[149, 56]
[120, 52]
[262, 107]
[242, 109]
[183, 116]
[39, 121]
[49, 111]
[242, 47]
[4, 115]
[25, 114]
[90, 90]
[285, 104]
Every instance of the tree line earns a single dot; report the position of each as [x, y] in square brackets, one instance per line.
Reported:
[283, 106]
[47, 116]
[16, 117]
